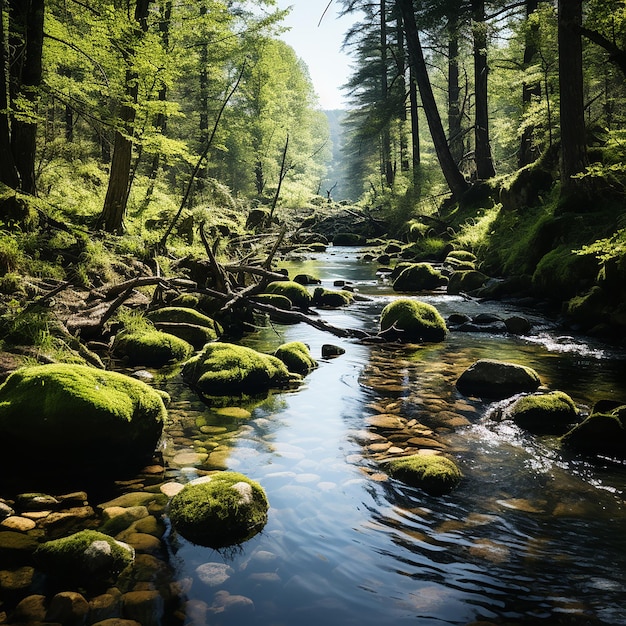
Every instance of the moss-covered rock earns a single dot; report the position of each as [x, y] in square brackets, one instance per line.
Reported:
[184, 315]
[73, 416]
[306, 279]
[466, 281]
[599, 434]
[331, 299]
[488, 378]
[297, 357]
[414, 320]
[87, 558]
[152, 348]
[275, 300]
[461, 255]
[349, 239]
[223, 509]
[545, 414]
[419, 277]
[435, 474]
[224, 369]
[296, 293]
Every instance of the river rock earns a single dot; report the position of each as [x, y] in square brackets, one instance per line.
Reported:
[436, 475]
[600, 433]
[214, 574]
[31, 609]
[68, 607]
[419, 277]
[411, 320]
[146, 607]
[546, 414]
[497, 380]
[518, 325]
[151, 348]
[465, 281]
[297, 357]
[73, 418]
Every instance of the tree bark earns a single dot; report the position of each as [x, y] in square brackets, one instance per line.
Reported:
[530, 91]
[27, 17]
[8, 172]
[455, 136]
[455, 180]
[573, 145]
[387, 165]
[483, 158]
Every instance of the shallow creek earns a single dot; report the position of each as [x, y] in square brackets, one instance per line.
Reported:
[532, 535]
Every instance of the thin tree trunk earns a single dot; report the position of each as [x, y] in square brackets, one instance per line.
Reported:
[387, 165]
[530, 91]
[573, 148]
[415, 128]
[484, 161]
[455, 135]
[455, 180]
[405, 163]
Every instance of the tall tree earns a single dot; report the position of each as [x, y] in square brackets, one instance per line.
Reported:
[114, 210]
[456, 182]
[484, 160]
[573, 144]
[8, 171]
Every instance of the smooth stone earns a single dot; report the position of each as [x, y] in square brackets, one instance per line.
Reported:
[214, 574]
[224, 602]
[171, 489]
[146, 607]
[16, 580]
[384, 421]
[106, 606]
[5, 510]
[30, 609]
[189, 458]
[68, 607]
[20, 524]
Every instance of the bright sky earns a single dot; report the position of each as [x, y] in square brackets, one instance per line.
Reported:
[320, 46]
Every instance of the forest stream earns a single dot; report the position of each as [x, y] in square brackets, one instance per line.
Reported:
[531, 535]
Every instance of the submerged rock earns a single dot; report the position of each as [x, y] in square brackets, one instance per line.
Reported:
[75, 417]
[435, 474]
[223, 509]
[223, 369]
[413, 321]
[488, 378]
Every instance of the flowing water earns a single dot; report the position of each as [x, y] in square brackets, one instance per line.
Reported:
[532, 535]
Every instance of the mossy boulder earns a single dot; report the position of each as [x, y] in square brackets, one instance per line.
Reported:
[86, 558]
[297, 294]
[152, 348]
[461, 255]
[331, 298]
[297, 357]
[187, 324]
[466, 281]
[419, 277]
[434, 474]
[544, 414]
[307, 279]
[275, 300]
[599, 434]
[70, 417]
[488, 378]
[349, 239]
[224, 369]
[223, 509]
[413, 320]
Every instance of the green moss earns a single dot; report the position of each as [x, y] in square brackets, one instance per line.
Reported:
[228, 369]
[599, 434]
[466, 281]
[415, 321]
[152, 348]
[184, 315]
[297, 357]
[76, 413]
[419, 277]
[224, 510]
[296, 293]
[549, 413]
[275, 300]
[87, 558]
[426, 248]
[436, 475]
[332, 299]
[461, 255]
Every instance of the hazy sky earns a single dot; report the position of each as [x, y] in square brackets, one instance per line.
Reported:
[320, 46]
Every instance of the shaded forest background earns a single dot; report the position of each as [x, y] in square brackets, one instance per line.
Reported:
[496, 127]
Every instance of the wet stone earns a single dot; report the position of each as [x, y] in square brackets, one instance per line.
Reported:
[5, 510]
[30, 609]
[16, 580]
[105, 606]
[214, 574]
[17, 523]
[145, 607]
[68, 607]
[384, 422]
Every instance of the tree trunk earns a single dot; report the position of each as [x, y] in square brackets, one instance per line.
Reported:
[573, 147]
[455, 180]
[484, 161]
[455, 135]
[530, 91]
[27, 18]
[8, 172]
[415, 128]
[114, 210]
[387, 165]
[405, 163]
